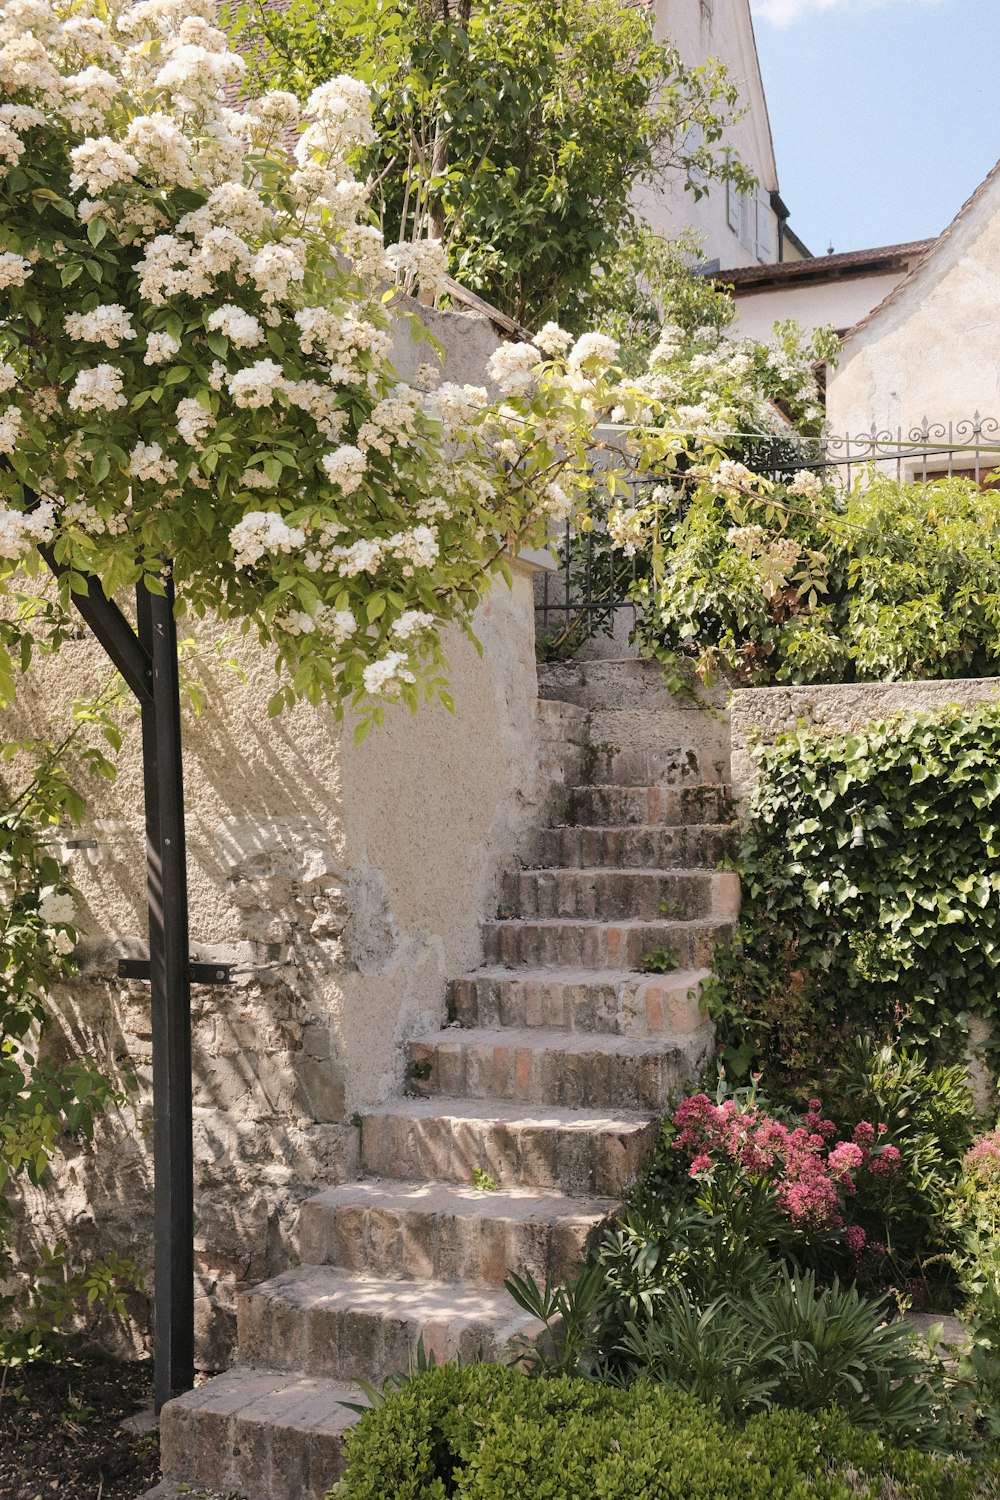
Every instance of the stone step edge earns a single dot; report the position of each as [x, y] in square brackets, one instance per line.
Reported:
[553, 1039]
[635, 828]
[493, 1111]
[566, 974]
[622, 924]
[628, 872]
[284, 1420]
[554, 1206]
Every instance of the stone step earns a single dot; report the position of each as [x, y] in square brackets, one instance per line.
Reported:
[693, 847]
[626, 684]
[620, 1002]
[610, 895]
[621, 806]
[323, 1320]
[602, 945]
[262, 1434]
[445, 1231]
[568, 1068]
[680, 765]
[579, 1151]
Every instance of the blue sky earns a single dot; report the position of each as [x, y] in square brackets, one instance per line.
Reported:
[885, 113]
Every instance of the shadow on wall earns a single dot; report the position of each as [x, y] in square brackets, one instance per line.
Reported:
[347, 885]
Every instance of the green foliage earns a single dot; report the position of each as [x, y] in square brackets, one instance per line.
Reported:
[489, 1433]
[515, 131]
[788, 1343]
[660, 961]
[46, 1096]
[53, 1294]
[652, 281]
[794, 581]
[898, 937]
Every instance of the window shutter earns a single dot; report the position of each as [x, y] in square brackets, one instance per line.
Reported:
[765, 228]
[734, 207]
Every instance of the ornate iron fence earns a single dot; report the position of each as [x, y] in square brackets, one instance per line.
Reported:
[590, 591]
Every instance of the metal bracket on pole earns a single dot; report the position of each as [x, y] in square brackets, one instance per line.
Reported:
[198, 973]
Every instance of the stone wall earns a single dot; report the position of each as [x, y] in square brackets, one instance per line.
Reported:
[761, 714]
[346, 883]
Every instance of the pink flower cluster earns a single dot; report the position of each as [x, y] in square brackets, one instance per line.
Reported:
[811, 1170]
[982, 1161]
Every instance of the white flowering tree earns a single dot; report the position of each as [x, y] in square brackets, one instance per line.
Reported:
[197, 403]
[196, 359]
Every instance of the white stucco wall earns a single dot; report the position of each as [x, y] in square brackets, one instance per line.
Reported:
[831, 304]
[721, 29]
[934, 350]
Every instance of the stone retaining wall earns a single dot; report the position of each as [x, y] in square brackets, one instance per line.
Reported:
[761, 714]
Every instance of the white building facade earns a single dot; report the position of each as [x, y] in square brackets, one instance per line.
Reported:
[734, 229]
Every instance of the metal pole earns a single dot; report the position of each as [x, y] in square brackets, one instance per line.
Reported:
[166, 884]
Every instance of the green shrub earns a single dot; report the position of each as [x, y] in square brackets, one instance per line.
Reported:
[774, 582]
[491, 1433]
[895, 938]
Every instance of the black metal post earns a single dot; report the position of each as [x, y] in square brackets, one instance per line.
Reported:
[147, 660]
[170, 981]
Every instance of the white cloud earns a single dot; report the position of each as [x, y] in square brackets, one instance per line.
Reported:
[785, 12]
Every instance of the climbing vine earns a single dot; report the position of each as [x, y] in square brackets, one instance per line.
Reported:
[871, 877]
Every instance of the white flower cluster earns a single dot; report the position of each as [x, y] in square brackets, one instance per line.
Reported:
[241, 328]
[14, 269]
[393, 421]
[194, 423]
[341, 111]
[343, 340]
[337, 625]
[321, 403]
[627, 528]
[733, 478]
[345, 467]
[593, 351]
[56, 907]
[774, 557]
[384, 676]
[410, 623]
[417, 548]
[20, 531]
[257, 384]
[148, 463]
[256, 479]
[261, 532]
[748, 539]
[100, 164]
[553, 340]
[11, 419]
[422, 263]
[806, 483]
[108, 324]
[160, 347]
[99, 389]
[512, 368]
[457, 406]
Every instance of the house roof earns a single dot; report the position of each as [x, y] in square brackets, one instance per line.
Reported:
[851, 263]
[932, 249]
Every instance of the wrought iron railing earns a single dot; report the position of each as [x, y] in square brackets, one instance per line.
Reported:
[591, 590]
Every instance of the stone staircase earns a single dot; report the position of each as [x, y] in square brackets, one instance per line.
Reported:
[558, 1057]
